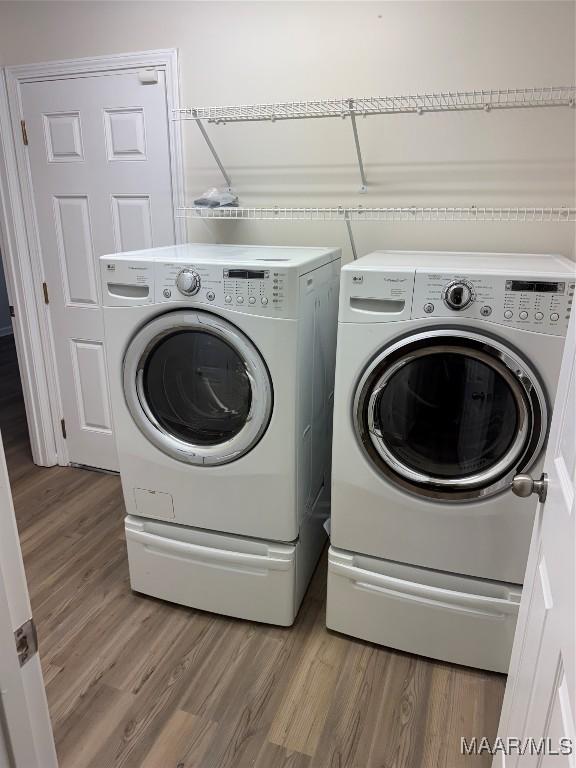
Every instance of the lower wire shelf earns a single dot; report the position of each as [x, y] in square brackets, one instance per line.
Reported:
[515, 214]
[407, 214]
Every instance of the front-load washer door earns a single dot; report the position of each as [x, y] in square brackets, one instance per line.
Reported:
[450, 414]
[197, 387]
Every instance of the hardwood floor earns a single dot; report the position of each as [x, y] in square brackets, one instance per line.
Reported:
[139, 683]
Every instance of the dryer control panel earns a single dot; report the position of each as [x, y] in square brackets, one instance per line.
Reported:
[264, 291]
[270, 291]
[542, 304]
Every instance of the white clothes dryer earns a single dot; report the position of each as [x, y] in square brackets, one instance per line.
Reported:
[447, 366]
[221, 365]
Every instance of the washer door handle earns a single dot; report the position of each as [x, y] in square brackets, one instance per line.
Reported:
[525, 485]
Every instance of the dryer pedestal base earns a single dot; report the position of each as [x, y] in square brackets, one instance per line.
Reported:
[431, 613]
[247, 578]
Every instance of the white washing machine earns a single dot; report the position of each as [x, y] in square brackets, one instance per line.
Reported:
[447, 365]
[221, 367]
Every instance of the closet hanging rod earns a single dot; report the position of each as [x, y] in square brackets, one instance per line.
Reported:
[391, 215]
[454, 101]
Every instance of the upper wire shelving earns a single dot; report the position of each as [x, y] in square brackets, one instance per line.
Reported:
[449, 101]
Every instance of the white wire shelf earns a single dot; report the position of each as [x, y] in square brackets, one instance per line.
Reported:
[511, 98]
[452, 101]
[390, 215]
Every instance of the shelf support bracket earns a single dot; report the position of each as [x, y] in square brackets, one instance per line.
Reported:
[215, 155]
[350, 233]
[364, 185]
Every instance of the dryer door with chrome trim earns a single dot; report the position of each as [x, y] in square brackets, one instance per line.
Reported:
[197, 387]
[450, 414]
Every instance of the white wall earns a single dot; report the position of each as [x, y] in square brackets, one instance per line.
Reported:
[238, 52]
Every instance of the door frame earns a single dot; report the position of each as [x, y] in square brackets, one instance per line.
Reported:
[20, 239]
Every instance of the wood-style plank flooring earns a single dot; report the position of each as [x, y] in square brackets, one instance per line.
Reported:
[134, 682]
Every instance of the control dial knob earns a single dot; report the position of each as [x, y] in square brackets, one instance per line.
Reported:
[188, 282]
[458, 295]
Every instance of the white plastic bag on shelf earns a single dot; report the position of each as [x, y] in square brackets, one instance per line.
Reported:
[217, 198]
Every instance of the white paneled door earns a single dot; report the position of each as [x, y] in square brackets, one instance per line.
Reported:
[99, 155]
[26, 739]
[538, 722]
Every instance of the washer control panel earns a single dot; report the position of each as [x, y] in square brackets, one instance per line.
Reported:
[266, 291]
[541, 304]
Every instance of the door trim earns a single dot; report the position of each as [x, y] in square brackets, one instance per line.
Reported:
[20, 241]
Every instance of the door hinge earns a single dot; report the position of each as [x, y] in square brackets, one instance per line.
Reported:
[63, 427]
[26, 641]
[24, 132]
[45, 292]
[12, 313]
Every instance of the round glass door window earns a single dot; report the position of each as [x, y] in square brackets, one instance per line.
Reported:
[450, 415]
[197, 387]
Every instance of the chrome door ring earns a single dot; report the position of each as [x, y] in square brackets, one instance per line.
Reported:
[526, 389]
[137, 353]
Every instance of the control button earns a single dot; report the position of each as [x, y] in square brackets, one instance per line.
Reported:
[486, 311]
[210, 295]
[523, 315]
[458, 295]
[167, 293]
[228, 299]
[508, 314]
[554, 316]
[239, 299]
[188, 282]
[252, 300]
[429, 307]
[264, 300]
[538, 316]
